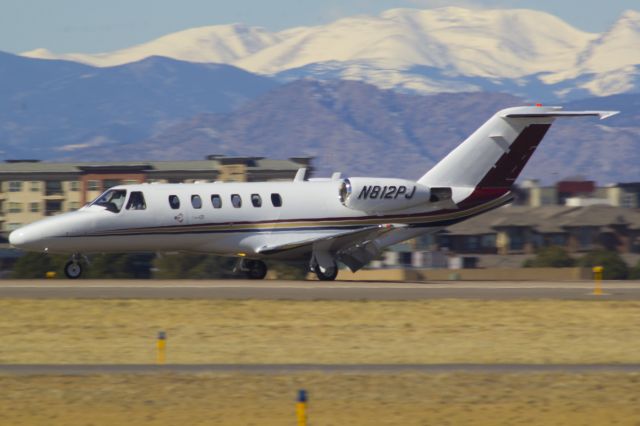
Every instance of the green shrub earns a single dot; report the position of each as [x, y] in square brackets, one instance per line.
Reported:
[194, 266]
[119, 265]
[36, 265]
[634, 273]
[289, 270]
[550, 257]
[614, 266]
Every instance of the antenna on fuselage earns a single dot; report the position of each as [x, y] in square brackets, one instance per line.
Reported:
[301, 175]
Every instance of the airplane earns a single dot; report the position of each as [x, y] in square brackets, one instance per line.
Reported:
[322, 221]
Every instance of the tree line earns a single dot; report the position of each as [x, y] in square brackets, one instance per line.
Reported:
[614, 266]
[203, 266]
[146, 266]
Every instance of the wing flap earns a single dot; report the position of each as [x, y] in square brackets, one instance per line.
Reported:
[336, 241]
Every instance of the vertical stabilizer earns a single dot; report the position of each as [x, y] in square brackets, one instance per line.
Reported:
[495, 154]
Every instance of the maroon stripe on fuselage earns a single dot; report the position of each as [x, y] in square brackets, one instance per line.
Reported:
[482, 196]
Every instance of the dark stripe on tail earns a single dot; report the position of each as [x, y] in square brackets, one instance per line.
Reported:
[506, 170]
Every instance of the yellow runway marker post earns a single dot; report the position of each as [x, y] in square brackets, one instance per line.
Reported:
[301, 408]
[161, 346]
[597, 278]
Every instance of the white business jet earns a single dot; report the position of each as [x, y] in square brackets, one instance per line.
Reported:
[323, 221]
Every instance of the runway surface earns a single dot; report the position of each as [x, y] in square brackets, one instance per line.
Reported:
[313, 290]
[94, 369]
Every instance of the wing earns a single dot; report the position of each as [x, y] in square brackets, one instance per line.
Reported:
[352, 247]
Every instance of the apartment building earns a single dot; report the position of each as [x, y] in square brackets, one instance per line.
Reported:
[522, 230]
[31, 189]
[578, 193]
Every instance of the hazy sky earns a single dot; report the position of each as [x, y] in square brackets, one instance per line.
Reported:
[91, 26]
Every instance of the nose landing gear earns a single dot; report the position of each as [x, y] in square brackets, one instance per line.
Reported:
[73, 268]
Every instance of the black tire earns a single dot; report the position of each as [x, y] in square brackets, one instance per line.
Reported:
[256, 269]
[72, 270]
[328, 275]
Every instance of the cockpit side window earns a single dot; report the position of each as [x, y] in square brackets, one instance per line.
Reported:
[174, 202]
[112, 200]
[136, 201]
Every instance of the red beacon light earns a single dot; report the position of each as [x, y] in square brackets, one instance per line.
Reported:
[538, 105]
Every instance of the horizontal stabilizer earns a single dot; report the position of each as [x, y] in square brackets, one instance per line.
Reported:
[556, 114]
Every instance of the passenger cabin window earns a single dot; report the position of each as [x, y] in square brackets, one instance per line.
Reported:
[112, 200]
[216, 201]
[276, 200]
[256, 200]
[196, 201]
[236, 201]
[174, 202]
[136, 201]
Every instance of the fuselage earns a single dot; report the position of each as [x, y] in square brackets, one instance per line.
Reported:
[223, 218]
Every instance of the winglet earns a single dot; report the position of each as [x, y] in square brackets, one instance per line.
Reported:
[606, 114]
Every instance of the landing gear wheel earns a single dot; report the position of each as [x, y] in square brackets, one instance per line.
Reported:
[256, 269]
[329, 274]
[72, 270]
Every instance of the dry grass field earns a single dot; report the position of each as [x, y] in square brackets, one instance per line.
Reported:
[219, 331]
[341, 399]
[225, 331]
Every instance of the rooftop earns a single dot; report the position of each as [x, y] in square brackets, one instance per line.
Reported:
[214, 162]
[547, 219]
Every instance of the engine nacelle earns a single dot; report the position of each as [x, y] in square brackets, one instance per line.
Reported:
[382, 195]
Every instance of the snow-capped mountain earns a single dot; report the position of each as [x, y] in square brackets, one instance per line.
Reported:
[490, 43]
[525, 52]
[223, 44]
[615, 49]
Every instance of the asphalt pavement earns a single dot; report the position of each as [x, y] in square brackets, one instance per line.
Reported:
[99, 369]
[314, 290]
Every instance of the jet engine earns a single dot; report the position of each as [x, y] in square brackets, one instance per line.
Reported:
[382, 195]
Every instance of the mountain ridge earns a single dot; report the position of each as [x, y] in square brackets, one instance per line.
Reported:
[59, 105]
[359, 129]
[161, 108]
[532, 52]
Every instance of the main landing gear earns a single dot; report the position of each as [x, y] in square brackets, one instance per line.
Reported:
[323, 264]
[328, 273]
[252, 269]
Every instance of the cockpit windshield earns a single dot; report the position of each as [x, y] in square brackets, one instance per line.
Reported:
[112, 200]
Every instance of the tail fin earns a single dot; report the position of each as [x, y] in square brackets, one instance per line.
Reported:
[495, 154]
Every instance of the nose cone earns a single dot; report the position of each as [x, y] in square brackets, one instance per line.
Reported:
[23, 237]
[17, 238]
[50, 233]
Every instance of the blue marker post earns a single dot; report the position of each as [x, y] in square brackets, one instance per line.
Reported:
[301, 408]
